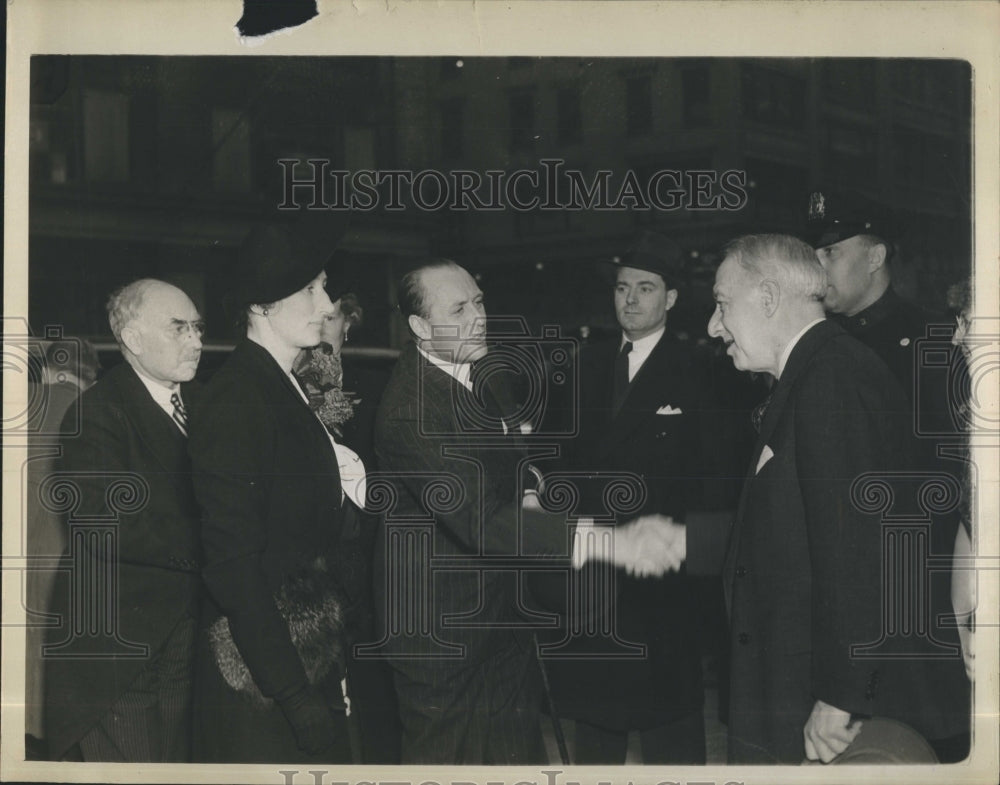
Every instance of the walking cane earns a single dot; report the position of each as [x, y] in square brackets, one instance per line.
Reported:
[556, 724]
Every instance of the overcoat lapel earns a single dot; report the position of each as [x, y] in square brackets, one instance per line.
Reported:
[154, 427]
[800, 355]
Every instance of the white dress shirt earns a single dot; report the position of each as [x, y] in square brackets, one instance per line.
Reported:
[641, 349]
[791, 345]
[162, 395]
[462, 373]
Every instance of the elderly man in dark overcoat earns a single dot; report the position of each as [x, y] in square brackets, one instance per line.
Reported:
[124, 693]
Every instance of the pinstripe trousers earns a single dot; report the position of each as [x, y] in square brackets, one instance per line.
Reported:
[151, 720]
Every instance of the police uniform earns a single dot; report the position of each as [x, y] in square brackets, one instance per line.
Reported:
[893, 328]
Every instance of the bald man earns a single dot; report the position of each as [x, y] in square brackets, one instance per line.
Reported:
[124, 693]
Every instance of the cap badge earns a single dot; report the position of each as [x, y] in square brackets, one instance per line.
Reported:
[817, 205]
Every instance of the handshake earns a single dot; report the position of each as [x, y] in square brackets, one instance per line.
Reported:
[648, 546]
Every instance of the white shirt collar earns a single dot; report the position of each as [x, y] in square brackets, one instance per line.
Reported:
[644, 345]
[458, 371]
[641, 349]
[791, 345]
[160, 393]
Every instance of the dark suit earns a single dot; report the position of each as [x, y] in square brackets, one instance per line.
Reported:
[268, 484]
[142, 704]
[467, 694]
[893, 329]
[804, 566]
[665, 684]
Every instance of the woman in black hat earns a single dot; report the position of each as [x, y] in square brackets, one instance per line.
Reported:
[345, 397]
[271, 660]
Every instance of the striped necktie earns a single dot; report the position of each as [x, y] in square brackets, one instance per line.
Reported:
[180, 413]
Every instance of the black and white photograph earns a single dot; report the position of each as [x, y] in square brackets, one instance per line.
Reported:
[523, 392]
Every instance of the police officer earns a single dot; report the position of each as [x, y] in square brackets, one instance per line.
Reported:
[854, 240]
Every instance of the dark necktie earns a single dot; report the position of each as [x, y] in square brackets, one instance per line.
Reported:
[757, 415]
[180, 413]
[621, 376]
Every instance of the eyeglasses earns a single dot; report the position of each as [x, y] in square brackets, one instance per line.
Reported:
[180, 329]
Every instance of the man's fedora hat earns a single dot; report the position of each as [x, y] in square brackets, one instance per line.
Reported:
[833, 217]
[655, 253]
[278, 259]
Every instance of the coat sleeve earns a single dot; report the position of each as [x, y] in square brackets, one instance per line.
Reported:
[102, 450]
[482, 520]
[845, 427]
[231, 451]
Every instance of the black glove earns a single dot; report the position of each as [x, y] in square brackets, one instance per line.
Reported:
[310, 718]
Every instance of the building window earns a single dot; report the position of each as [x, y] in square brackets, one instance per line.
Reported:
[359, 148]
[696, 89]
[850, 82]
[105, 137]
[852, 151]
[522, 120]
[924, 160]
[776, 191]
[452, 128]
[569, 119]
[231, 151]
[638, 105]
[773, 97]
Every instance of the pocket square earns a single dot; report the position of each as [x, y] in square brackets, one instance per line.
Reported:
[765, 455]
[668, 409]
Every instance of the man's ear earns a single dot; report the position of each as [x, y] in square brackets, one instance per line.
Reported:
[419, 326]
[671, 298]
[876, 257]
[132, 338]
[770, 296]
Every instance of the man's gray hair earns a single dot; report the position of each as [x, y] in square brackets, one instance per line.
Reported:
[125, 303]
[783, 258]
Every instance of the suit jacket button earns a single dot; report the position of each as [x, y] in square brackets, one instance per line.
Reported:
[741, 572]
[744, 638]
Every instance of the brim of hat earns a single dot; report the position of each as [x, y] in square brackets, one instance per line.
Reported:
[286, 288]
[832, 233]
[638, 263]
